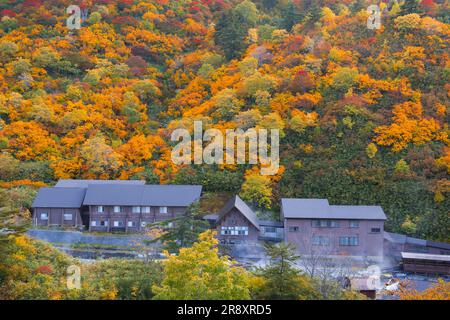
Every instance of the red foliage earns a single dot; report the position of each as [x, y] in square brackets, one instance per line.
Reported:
[44, 269]
[8, 13]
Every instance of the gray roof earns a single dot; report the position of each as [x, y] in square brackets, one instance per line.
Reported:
[358, 212]
[403, 239]
[321, 209]
[271, 223]
[242, 207]
[71, 183]
[59, 198]
[425, 256]
[142, 195]
[440, 245]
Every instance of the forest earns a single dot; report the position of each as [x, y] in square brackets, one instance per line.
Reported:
[363, 113]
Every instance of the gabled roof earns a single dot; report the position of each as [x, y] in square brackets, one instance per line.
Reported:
[59, 198]
[142, 195]
[242, 207]
[305, 208]
[321, 209]
[75, 183]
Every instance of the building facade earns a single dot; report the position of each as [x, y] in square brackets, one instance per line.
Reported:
[317, 228]
[62, 207]
[237, 223]
[107, 206]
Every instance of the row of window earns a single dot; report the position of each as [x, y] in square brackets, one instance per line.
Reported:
[326, 223]
[234, 231]
[297, 229]
[135, 209]
[67, 216]
[343, 241]
[121, 223]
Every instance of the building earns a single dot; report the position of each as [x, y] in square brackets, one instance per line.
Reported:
[111, 205]
[130, 208]
[395, 244]
[58, 206]
[426, 263]
[318, 228]
[237, 223]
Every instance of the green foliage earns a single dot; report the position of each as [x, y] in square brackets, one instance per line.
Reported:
[231, 30]
[183, 231]
[199, 273]
[256, 189]
[402, 167]
[282, 279]
[128, 279]
[410, 6]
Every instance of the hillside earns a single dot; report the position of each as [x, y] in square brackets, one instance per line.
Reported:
[363, 113]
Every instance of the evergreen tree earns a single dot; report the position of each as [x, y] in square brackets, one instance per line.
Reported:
[231, 30]
[315, 11]
[283, 281]
[290, 16]
[410, 6]
[182, 231]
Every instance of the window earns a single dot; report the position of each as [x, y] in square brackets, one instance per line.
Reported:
[104, 223]
[117, 209]
[44, 216]
[67, 216]
[234, 231]
[100, 209]
[293, 229]
[136, 209]
[162, 209]
[375, 230]
[93, 223]
[321, 241]
[354, 224]
[143, 224]
[334, 224]
[224, 231]
[270, 229]
[118, 223]
[145, 209]
[349, 241]
[324, 223]
[132, 224]
[241, 231]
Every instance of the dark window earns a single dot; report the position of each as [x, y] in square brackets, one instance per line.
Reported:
[375, 230]
[324, 223]
[293, 229]
[270, 229]
[321, 241]
[349, 241]
[354, 224]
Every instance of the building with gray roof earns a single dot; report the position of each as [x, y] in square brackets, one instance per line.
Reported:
[314, 226]
[111, 205]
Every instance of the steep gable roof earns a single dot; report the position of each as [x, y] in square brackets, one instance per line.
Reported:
[59, 198]
[242, 207]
